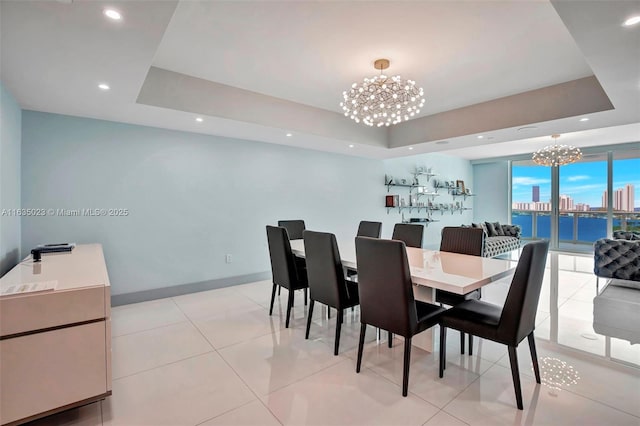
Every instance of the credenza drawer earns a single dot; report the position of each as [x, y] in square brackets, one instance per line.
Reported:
[37, 311]
[43, 371]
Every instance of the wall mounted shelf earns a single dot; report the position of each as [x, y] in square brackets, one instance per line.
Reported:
[417, 190]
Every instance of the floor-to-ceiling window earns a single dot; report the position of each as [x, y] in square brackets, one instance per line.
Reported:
[531, 199]
[581, 203]
[626, 190]
[581, 209]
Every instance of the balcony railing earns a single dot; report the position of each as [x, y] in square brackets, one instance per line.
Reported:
[577, 227]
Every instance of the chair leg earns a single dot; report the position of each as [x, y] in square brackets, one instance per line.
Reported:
[363, 331]
[461, 343]
[310, 314]
[289, 306]
[390, 339]
[443, 348]
[328, 312]
[279, 290]
[273, 297]
[407, 362]
[534, 356]
[305, 297]
[470, 345]
[338, 327]
[515, 372]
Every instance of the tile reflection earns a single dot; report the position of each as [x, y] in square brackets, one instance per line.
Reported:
[602, 324]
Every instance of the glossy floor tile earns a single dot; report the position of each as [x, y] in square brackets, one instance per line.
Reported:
[273, 361]
[490, 401]
[133, 353]
[339, 396]
[253, 413]
[218, 358]
[143, 316]
[187, 392]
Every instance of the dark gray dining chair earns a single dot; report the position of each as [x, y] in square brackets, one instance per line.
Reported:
[366, 229]
[410, 234]
[464, 241]
[508, 324]
[286, 273]
[386, 296]
[369, 229]
[294, 228]
[327, 284]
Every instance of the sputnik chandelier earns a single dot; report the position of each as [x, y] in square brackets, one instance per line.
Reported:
[557, 155]
[381, 100]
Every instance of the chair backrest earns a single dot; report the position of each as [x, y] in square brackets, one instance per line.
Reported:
[324, 269]
[294, 228]
[384, 286]
[410, 234]
[462, 240]
[519, 311]
[283, 265]
[369, 229]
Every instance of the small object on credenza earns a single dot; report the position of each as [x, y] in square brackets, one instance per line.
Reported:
[50, 248]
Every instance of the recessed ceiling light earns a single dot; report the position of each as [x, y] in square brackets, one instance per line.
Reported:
[442, 142]
[351, 146]
[584, 119]
[289, 135]
[410, 148]
[113, 14]
[103, 86]
[199, 119]
[527, 128]
[480, 137]
[632, 21]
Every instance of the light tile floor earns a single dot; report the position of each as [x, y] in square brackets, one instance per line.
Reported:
[218, 358]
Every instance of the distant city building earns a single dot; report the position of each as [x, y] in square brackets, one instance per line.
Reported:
[566, 203]
[581, 207]
[623, 199]
[541, 207]
[535, 193]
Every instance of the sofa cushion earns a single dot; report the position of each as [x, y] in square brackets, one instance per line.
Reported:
[626, 283]
[616, 313]
[498, 229]
[491, 229]
[511, 230]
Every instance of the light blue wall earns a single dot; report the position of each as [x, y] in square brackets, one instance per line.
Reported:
[10, 139]
[191, 198]
[492, 186]
[447, 168]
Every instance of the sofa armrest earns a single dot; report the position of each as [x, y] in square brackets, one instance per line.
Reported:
[626, 235]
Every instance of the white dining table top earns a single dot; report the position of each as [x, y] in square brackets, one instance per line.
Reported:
[453, 272]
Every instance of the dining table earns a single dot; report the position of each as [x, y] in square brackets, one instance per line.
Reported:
[433, 270]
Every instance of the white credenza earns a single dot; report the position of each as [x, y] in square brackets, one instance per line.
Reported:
[55, 346]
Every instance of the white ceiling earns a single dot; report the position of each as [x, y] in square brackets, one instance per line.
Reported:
[461, 53]
[54, 53]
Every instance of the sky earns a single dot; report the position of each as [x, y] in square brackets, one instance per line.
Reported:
[584, 182]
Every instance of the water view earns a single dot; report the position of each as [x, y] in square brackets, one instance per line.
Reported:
[582, 202]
